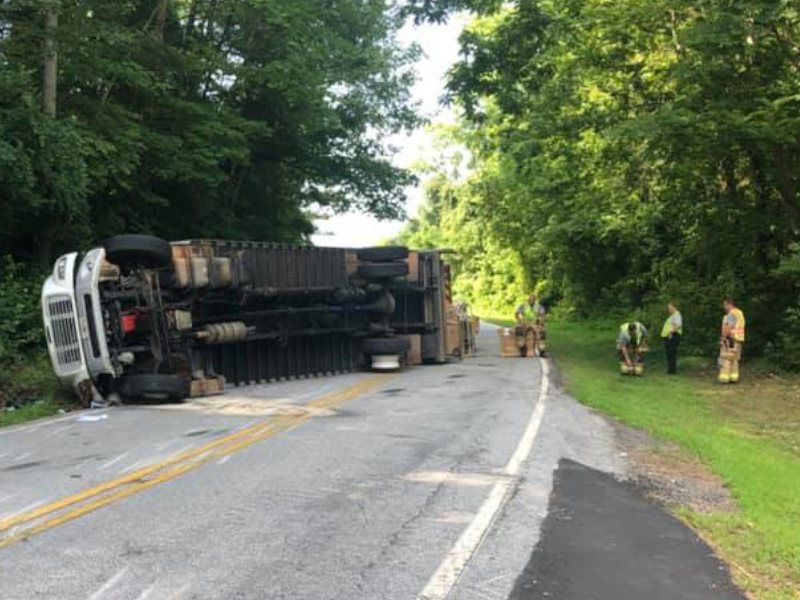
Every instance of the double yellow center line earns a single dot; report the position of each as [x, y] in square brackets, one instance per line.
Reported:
[26, 524]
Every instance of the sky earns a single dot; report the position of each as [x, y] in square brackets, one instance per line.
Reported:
[439, 44]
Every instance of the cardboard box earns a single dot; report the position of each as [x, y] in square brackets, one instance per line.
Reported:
[453, 342]
[509, 345]
[468, 337]
[351, 262]
[414, 355]
[730, 353]
[413, 267]
[207, 387]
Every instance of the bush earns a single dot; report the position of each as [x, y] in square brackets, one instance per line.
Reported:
[21, 331]
[25, 373]
[784, 351]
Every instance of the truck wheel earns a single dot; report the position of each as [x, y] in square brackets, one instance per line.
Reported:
[131, 250]
[385, 346]
[382, 253]
[154, 387]
[380, 271]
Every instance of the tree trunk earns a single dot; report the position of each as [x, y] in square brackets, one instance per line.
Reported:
[160, 20]
[50, 70]
[190, 20]
[46, 233]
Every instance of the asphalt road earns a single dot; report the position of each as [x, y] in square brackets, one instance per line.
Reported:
[431, 483]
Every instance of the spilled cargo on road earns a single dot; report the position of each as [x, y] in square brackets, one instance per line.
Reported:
[139, 317]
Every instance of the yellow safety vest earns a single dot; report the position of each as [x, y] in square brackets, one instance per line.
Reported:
[667, 328]
[639, 334]
[531, 313]
[738, 329]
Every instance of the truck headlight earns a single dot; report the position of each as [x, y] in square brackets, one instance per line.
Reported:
[60, 272]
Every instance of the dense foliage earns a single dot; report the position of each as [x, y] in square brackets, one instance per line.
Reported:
[632, 151]
[20, 318]
[24, 376]
[196, 117]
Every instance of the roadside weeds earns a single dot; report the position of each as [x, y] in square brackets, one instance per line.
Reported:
[29, 390]
[670, 476]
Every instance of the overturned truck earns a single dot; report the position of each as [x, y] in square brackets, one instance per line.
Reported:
[141, 318]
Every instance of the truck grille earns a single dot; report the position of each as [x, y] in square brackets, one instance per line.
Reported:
[65, 337]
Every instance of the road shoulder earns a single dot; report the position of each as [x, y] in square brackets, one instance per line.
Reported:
[603, 539]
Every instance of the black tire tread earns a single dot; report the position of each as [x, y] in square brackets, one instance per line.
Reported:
[382, 253]
[390, 270]
[135, 249]
[143, 385]
[385, 345]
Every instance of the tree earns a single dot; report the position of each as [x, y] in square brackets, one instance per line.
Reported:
[184, 119]
[629, 152]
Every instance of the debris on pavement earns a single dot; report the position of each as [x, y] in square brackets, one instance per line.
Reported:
[91, 418]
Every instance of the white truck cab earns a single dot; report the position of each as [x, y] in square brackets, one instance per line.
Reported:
[62, 326]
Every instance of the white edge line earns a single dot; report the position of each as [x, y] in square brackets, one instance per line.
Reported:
[147, 592]
[446, 576]
[179, 592]
[108, 584]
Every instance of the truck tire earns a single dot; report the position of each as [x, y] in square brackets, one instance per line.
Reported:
[378, 271]
[385, 346]
[154, 386]
[382, 254]
[130, 250]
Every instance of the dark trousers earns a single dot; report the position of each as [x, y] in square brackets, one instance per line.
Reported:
[671, 344]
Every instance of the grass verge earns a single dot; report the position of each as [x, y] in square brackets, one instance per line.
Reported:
[29, 390]
[749, 435]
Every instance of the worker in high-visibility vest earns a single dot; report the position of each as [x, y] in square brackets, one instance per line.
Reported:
[631, 344]
[671, 332]
[731, 341]
[530, 321]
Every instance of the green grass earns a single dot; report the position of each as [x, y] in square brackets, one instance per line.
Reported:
[749, 435]
[29, 412]
[33, 388]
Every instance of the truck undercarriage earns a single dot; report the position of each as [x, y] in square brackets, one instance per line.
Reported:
[142, 318]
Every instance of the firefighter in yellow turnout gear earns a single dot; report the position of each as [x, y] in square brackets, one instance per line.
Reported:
[731, 341]
[631, 344]
[530, 321]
